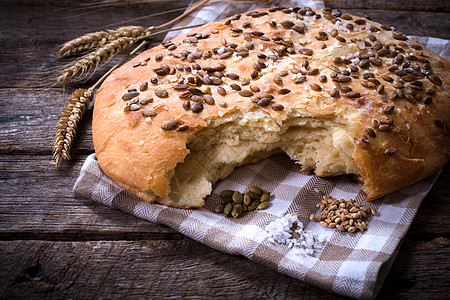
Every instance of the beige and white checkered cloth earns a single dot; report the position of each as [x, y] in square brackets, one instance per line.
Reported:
[353, 265]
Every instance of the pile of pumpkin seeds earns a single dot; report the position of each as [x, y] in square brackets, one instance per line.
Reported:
[345, 216]
[235, 203]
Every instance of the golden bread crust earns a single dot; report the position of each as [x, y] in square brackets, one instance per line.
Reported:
[408, 96]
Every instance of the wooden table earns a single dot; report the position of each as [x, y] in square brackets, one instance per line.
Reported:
[55, 245]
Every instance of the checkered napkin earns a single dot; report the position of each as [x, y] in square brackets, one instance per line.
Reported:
[353, 265]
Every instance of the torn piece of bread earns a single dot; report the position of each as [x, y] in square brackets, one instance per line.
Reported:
[339, 94]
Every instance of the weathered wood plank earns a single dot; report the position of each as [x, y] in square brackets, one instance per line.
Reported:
[412, 5]
[420, 271]
[38, 202]
[32, 34]
[420, 5]
[54, 22]
[117, 254]
[28, 119]
[133, 269]
[429, 215]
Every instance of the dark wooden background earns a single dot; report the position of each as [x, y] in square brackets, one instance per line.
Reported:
[53, 245]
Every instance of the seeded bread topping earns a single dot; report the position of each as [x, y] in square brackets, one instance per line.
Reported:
[338, 93]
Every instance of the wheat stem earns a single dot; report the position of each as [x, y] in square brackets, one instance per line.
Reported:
[142, 45]
[149, 16]
[195, 7]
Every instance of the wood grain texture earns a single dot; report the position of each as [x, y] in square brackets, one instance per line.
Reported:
[411, 5]
[135, 269]
[31, 34]
[417, 272]
[55, 245]
[31, 128]
[38, 203]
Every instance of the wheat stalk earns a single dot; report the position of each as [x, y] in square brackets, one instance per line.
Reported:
[67, 125]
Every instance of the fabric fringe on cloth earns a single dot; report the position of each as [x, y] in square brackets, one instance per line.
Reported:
[353, 265]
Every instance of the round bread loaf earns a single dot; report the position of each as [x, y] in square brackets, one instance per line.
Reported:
[338, 93]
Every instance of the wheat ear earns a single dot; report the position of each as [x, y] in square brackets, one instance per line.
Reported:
[129, 31]
[119, 39]
[93, 59]
[83, 43]
[93, 40]
[68, 123]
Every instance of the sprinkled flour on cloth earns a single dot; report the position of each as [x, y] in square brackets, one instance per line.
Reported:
[289, 230]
